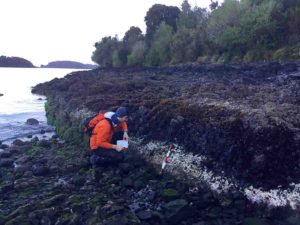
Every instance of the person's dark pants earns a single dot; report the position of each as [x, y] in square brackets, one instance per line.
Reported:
[105, 157]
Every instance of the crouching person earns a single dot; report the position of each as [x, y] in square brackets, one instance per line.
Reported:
[104, 137]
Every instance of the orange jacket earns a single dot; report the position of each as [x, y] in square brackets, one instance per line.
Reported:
[102, 134]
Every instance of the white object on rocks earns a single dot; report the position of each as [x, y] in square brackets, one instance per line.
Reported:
[123, 143]
[16, 165]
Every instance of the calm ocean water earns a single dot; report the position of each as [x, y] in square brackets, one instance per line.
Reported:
[18, 103]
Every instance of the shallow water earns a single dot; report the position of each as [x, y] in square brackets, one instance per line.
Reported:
[18, 103]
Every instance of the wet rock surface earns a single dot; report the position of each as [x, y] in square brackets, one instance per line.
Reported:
[244, 118]
[32, 121]
[47, 191]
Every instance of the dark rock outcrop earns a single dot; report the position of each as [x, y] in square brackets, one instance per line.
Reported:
[244, 118]
[56, 185]
[5, 162]
[40, 170]
[44, 143]
[3, 146]
[32, 121]
[18, 142]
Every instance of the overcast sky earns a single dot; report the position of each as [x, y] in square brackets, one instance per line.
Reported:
[49, 30]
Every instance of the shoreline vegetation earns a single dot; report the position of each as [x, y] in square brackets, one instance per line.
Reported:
[231, 32]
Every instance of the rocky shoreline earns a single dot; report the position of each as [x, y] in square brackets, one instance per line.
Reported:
[50, 182]
[241, 119]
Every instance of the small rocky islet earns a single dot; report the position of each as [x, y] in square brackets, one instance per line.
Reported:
[243, 118]
[15, 62]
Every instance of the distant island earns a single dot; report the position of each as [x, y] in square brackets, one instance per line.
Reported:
[15, 62]
[68, 64]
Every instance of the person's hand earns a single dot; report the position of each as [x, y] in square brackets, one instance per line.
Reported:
[119, 148]
[125, 136]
